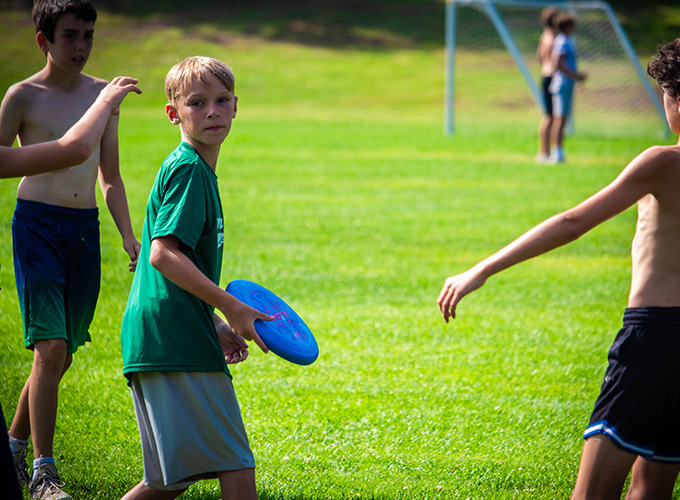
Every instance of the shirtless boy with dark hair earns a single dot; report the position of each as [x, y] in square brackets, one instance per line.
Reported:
[56, 226]
[634, 424]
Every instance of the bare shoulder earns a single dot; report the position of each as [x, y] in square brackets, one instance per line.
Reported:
[92, 83]
[25, 91]
[656, 158]
[547, 38]
[659, 168]
[663, 153]
[17, 103]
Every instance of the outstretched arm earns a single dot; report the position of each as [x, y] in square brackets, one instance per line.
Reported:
[78, 142]
[167, 258]
[637, 179]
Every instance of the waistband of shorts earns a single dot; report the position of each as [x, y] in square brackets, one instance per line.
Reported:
[29, 207]
[651, 316]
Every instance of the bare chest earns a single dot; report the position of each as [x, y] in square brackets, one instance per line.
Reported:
[52, 114]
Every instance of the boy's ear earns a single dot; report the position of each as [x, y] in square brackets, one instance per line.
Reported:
[173, 116]
[235, 103]
[42, 42]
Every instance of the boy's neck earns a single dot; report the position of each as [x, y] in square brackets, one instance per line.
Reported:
[209, 153]
[54, 76]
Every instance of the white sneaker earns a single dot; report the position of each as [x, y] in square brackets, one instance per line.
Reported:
[557, 157]
[21, 468]
[46, 484]
[542, 158]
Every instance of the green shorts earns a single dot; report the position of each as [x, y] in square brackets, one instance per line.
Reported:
[57, 267]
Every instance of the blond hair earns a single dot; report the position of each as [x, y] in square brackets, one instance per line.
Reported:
[196, 69]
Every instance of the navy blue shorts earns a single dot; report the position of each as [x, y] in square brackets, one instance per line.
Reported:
[547, 96]
[57, 267]
[639, 404]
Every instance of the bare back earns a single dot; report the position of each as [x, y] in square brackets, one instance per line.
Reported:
[44, 112]
[655, 250]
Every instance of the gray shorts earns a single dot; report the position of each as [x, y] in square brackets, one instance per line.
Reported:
[190, 426]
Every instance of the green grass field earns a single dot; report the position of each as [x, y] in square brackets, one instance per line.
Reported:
[342, 194]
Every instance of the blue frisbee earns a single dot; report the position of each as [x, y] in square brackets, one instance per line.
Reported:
[286, 335]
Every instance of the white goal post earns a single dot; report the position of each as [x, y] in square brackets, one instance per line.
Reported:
[617, 82]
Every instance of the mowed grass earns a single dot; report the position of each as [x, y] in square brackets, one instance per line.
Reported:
[342, 194]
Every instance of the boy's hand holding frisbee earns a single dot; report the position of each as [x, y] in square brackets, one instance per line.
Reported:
[287, 335]
[241, 319]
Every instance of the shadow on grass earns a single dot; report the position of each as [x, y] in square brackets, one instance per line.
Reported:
[336, 23]
[355, 23]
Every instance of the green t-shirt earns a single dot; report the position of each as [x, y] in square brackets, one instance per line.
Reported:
[166, 328]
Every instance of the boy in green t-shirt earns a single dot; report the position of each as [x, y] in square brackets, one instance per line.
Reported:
[175, 348]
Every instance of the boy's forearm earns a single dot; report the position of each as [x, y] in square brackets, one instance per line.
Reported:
[116, 202]
[36, 159]
[85, 135]
[568, 72]
[172, 263]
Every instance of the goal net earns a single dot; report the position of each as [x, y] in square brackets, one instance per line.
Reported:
[492, 65]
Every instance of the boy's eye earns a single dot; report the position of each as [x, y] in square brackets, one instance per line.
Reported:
[195, 103]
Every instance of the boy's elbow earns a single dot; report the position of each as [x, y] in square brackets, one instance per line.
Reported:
[574, 226]
[156, 256]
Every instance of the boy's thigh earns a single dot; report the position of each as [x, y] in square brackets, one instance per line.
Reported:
[547, 96]
[652, 478]
[603, 469]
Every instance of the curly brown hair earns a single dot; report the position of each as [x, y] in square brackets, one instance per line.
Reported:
[665, 68]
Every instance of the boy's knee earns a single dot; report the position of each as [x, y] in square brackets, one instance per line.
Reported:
[240, 482]
[51, 354]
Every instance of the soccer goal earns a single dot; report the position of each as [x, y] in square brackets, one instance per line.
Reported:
[491, 54]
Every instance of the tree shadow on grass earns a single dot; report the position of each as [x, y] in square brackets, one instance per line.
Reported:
[333, 23]
[368, 24]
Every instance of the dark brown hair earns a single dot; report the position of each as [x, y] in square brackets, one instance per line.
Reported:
[46, 13]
